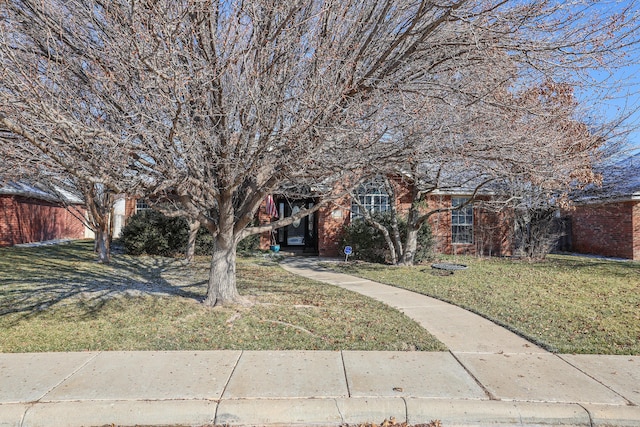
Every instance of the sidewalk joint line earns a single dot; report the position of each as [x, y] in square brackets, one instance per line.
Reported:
[344, 370]
[335, 401]
[75, 371]
[588, 414]
[24, 414]
[486, 390]
[406, 409]
[224, 389]
[559, 356]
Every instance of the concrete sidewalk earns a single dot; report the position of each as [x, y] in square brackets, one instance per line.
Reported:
[489, 377]
[314, 388]
[507, 367]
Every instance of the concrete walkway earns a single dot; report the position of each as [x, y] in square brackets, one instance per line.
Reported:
[489, 377]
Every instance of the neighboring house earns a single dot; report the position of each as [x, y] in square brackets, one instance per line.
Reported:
[606, 219]
[32, 214]
[123, 209]
[470, 230]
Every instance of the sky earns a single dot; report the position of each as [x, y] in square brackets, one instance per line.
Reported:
[625, 102]
[626, 99]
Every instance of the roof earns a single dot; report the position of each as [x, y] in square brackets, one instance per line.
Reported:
[620, 182]
[24, 189]
[457, 178]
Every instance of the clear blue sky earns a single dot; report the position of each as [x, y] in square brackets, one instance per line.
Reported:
[624, 101]
[625, 98]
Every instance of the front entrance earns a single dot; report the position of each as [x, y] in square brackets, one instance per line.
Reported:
[302, 235]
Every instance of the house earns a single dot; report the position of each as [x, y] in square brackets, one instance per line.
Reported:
[29, 213]
[606, 220]
[124, 208]
[470, 230]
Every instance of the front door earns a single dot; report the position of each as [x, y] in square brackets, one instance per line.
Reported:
[302, 233]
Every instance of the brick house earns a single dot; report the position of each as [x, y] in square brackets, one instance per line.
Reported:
[470, 230]
[30, 214]
[606, 220]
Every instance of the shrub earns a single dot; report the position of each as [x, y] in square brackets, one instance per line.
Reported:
[369, 245]
[204, 243]
[152, 233]
[249, 244]
[537, 232]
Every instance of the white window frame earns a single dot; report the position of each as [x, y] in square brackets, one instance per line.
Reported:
[461, 222]
[141, 205]
[373, 197]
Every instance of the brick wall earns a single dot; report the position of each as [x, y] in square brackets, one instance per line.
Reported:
[25, 220]
[492, 232]
[331, 221]
[611, 229]
[129, 207]
[441, 225]
[263, 218]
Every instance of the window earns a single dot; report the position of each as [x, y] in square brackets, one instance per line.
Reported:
[372, 197]
[461, 221]
[141, 205]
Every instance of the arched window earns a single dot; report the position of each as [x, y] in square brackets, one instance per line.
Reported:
[372, 197]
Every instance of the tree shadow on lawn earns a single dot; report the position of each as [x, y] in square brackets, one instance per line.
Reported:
[42, 278]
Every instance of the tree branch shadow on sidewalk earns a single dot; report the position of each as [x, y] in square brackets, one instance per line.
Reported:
[33, 280]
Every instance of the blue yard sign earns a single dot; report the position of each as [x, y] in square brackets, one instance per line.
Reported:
[348, 250]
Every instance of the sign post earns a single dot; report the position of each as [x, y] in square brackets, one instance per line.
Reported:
[348, 250]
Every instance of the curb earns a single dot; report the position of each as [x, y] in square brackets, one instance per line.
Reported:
[355, 411]
[315, 412]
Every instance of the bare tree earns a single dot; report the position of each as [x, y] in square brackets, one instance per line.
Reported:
[525, 147]
[214, 105]
[25, 158]
[538, 227]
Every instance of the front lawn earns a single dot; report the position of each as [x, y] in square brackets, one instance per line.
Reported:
[57, 298]
[567, 304]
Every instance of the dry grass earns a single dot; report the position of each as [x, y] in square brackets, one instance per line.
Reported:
[567, 304]
[57, 298]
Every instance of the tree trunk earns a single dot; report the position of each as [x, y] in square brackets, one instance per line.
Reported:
[222, 275]
[411, 239]
[103, 244]
[410, 246]
[396, 239]
[190, 252]
[99, 205]
[395, 233]
[387, 238]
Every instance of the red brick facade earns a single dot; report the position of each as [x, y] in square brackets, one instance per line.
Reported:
[129, 207]
[492, 232]
[609, 229]
[25, 220]
[331, 222]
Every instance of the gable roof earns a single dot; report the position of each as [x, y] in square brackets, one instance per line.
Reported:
[24, 189]
[452, 178]
[620, 182]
